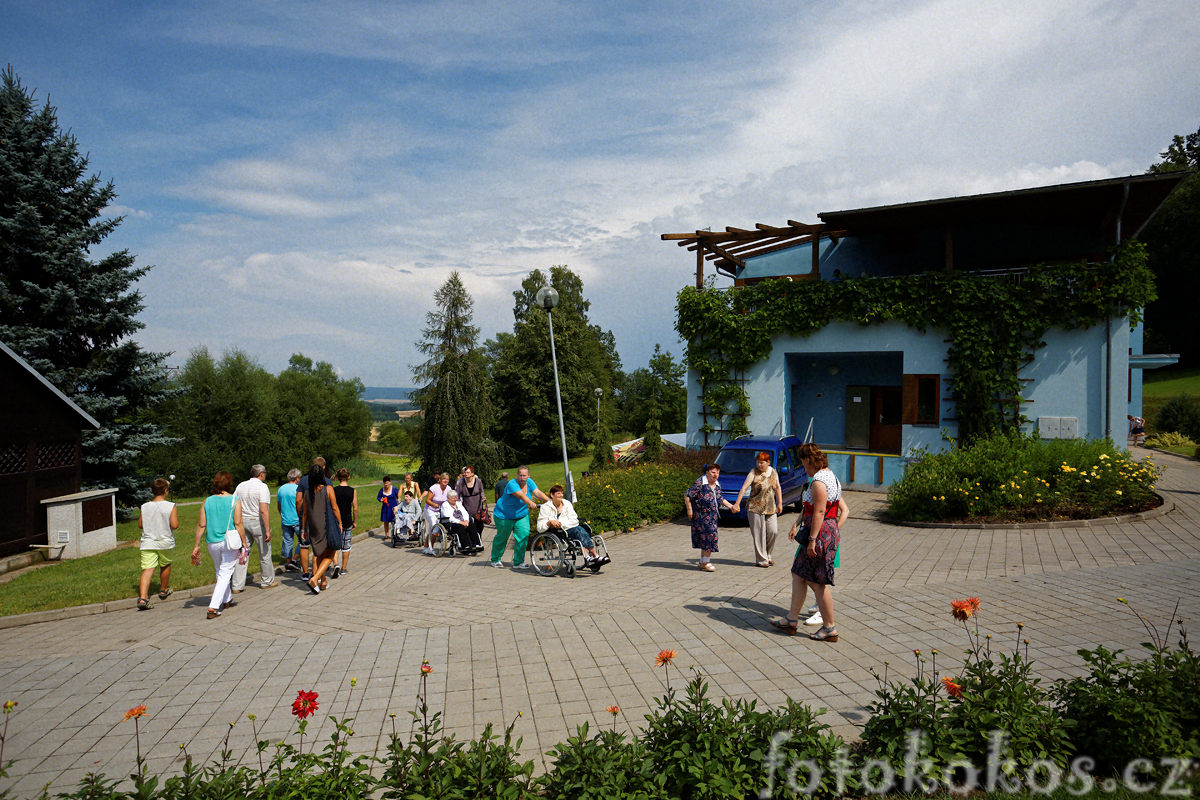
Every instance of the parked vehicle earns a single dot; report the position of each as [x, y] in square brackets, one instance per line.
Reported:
[737, 459]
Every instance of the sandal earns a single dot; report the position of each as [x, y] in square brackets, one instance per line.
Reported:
[707, 567]
[825, 634]
[213, 613]
[165, 593]
[787, 625]
[143, 604]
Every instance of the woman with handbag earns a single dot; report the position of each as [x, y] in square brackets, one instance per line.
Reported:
[325, 538]
[471, 492]
[220, 524]
[819, 538]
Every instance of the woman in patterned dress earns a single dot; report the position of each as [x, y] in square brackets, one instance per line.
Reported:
[818, 545]
[703, 503]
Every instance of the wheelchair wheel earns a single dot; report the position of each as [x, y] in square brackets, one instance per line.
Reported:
[546, 553]
[439, 540]
[569, 566]
[419, 529]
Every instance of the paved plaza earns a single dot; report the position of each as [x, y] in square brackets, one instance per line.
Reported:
[559, 651]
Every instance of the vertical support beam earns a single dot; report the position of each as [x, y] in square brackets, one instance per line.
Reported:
[816, 255]
[949, 248]
[699, 264]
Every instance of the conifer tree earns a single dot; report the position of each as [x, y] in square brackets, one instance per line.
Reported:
[453, 390]
[69, 315]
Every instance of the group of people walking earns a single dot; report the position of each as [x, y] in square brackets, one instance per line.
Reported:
[818, 542]
[317, 517]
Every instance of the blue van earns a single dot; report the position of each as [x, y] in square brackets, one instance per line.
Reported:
[737, 460]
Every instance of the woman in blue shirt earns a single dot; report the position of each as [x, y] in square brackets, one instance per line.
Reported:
[218, 515]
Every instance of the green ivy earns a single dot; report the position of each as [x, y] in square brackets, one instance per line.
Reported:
[994, 324]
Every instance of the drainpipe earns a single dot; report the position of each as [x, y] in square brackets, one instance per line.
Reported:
[1108, 329]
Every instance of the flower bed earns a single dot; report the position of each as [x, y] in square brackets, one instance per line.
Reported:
[620, 498]
[1007, 477]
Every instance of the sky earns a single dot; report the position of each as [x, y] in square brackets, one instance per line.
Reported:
[302, 175]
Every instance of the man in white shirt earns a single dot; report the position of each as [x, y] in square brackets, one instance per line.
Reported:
[255, 498]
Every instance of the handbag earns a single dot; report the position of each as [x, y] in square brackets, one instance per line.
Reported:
[233, 539]
[485, 515]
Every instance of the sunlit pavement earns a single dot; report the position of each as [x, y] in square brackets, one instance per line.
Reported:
[559, 651]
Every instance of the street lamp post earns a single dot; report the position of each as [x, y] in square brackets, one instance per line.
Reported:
[547, 299]
[599, 394]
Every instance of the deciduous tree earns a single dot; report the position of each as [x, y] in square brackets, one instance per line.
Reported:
[523, 375]
[1172, 240]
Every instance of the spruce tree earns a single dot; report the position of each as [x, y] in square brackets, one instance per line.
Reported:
[453, 390]
[69, 315]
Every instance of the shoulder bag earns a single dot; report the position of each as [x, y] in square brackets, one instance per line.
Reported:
[233, 539]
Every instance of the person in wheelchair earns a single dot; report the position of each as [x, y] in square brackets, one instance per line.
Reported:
[457, 520]
[559, 516]
[405, 527]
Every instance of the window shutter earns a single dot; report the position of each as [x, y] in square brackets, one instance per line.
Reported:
[908, 399]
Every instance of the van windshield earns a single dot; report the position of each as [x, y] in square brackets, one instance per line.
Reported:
[737, 461]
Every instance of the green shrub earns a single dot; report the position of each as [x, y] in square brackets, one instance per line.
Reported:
[994, 704]
[606, 765]
[1182, 415]
[1126, 709]
[1165, 441]
[708, 750]
[1009, 476]
[620, 498]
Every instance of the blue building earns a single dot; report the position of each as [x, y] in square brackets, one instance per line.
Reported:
[871, 395]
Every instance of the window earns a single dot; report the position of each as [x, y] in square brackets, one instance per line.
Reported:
[922, 399]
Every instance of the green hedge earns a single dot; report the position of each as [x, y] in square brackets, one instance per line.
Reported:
[618, 499]
[1011, 477]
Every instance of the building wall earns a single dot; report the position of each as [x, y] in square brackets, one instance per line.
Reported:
[1070, 377]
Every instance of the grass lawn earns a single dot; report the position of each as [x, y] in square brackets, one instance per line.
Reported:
[114, 575]
[1162, 384]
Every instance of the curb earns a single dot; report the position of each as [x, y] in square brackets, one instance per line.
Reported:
[1165, 507]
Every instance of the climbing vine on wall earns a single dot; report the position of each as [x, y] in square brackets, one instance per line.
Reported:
[994, 324]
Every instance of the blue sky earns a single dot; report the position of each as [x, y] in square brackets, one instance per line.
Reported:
[303, 175]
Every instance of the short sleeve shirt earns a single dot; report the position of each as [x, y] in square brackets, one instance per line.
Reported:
[250, 493]
[287, 504]
[509, 506]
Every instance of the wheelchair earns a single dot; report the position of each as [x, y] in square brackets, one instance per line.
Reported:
[552, 553]
[418, 533]
[445, 540]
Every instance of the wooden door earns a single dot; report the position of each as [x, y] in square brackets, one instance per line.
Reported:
[886, 407]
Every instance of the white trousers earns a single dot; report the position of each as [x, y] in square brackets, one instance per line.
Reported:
[224, 560]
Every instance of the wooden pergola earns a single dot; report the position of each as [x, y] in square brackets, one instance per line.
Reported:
[729, 249]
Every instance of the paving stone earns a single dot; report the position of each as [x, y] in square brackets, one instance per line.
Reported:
[560, 650]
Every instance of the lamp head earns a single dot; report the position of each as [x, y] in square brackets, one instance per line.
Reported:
[599, 392]
[547, 298]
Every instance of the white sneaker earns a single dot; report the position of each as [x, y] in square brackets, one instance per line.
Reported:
[813, 609]
[815, 619]
[521, 566]
[428, 551]
[498, 564]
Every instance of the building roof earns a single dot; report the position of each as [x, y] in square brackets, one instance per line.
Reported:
[87, 418]
[1135, 198]
[1128, 201]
